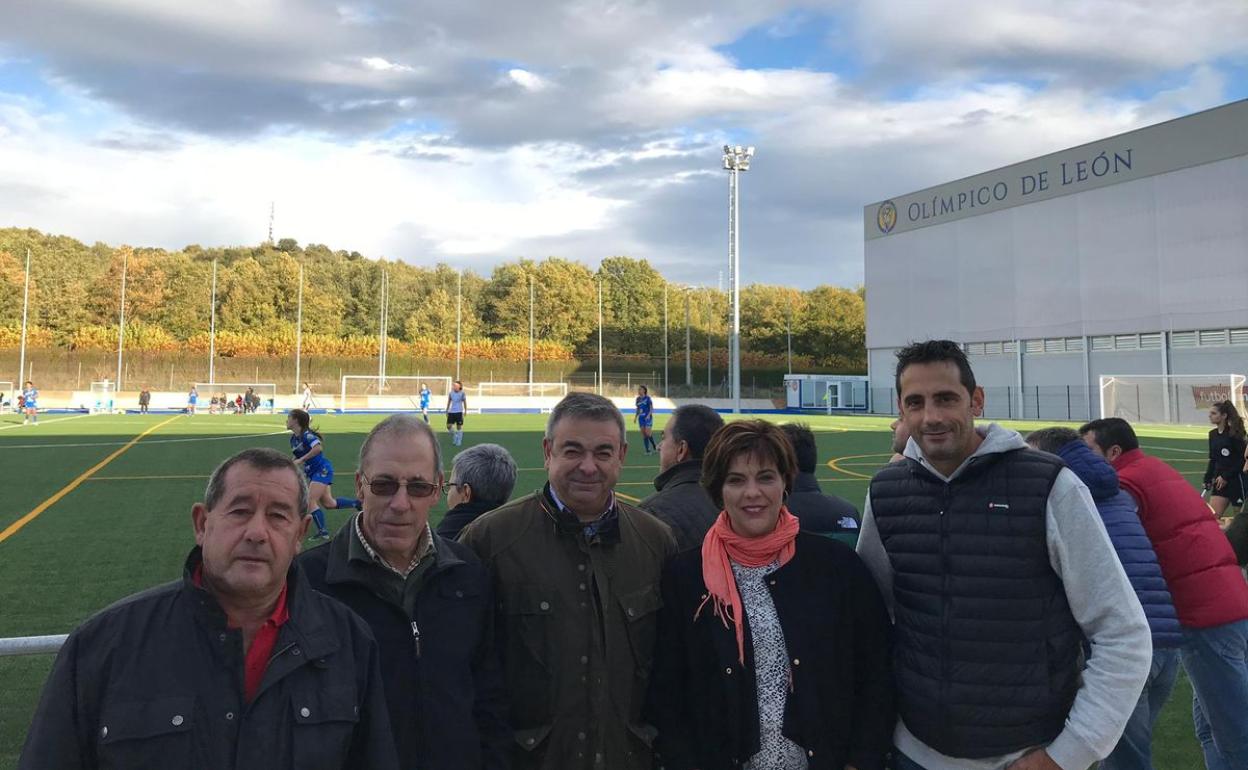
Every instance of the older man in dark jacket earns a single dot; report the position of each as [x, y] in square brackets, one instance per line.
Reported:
[680, 501]
[238, 665]
[428, 600]
[577, 577]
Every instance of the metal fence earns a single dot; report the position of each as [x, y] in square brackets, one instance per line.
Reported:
[32, 645]
[1059, 403]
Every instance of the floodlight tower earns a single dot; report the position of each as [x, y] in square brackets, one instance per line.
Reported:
[736, 160]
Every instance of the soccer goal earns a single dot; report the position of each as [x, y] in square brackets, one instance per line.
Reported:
[8, 397]
[103, 397]
[1168, 398]
[392, 394]
[263, 397]
[559, 389]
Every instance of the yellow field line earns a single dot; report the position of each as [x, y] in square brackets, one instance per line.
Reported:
[834, 466]
[16, 526]
[627, 498]
[145, 478]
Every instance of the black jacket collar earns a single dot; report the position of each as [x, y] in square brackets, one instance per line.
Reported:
[806, 482]
[687, 472]
[338, 568]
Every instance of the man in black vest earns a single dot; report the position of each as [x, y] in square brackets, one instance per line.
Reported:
[996, 568]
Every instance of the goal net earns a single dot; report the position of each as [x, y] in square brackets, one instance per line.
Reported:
[263, 397]
[1168, 398]
[391, 394]
[103, 397]
[558, 389]
[8, 397]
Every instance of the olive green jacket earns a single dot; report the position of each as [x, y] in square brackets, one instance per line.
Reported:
[576, 626]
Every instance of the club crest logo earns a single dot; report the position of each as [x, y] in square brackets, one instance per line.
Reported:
[886, 217]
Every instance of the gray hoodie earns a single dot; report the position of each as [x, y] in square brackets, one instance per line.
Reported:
[1101, 600]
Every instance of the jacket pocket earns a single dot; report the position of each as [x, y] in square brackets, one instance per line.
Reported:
[151, 733]
[529, 629]
[324, 726]
[639, 608]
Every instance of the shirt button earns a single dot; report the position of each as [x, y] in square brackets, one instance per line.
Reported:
[296, 651]
[810, 753]
[797, 662]
[229, 715]
[581, 586]
[580, 736]
[772, 582]
[544, 606]
[177, 720]
[530, 741]
[632, 612]
[104, 731]
[584, 659]
[728, 670]
[304, 712]
[221, 638]
[459, 594]
[581, 567]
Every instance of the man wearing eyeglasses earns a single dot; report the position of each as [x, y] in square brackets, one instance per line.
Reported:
[577, 573]
[428, 601]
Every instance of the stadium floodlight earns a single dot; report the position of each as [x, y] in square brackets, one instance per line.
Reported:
[736, 160]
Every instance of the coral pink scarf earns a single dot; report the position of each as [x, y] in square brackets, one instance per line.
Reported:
[721, 546]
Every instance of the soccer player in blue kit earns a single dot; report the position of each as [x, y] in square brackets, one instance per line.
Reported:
[309, 453]
[30, 403]
[425, 394]
[644, 416]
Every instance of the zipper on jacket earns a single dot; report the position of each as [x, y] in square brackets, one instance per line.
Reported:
[416, 637]
[946, 605]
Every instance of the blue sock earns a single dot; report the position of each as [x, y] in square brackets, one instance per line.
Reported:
[318, 516]
[347, 502]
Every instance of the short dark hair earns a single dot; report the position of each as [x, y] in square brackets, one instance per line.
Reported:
[758, 437]
[803, 445]
[261, 458]
[578, 405]
[933, 352]
[1052, 439]
[694, 424]
[1111, 431]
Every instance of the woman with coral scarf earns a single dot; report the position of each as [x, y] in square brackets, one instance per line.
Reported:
[773, 644]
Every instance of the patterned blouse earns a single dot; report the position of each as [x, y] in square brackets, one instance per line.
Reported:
[771, 671]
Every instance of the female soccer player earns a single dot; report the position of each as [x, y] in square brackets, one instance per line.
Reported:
[309, 452]
[307, 396]
[456, 408]
[191, 399]
[644, 417]
[1226, 457]
[425, 395]
[30, 403]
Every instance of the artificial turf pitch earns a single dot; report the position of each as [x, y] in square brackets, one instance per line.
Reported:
[93, 508]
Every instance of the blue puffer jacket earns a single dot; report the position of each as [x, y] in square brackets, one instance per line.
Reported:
[1135, 550]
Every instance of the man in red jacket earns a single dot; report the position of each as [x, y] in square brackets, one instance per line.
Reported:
[1209, 592]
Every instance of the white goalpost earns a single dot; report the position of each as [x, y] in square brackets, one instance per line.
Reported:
[103, 397]
[264, 396]
[373, 393]
[558, 389]
[1182, 399]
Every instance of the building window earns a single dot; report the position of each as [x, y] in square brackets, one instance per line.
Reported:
[1126, 341]
[1074, 344]
[1182, 339]
[1239, 336]
[1150, 341]
[1103, 343]
[1012, 346]
[1034, 346]
[1212, 337]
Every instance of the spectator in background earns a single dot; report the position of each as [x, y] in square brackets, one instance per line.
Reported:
[773, 644]
[428, 601]
[482, 479]
[1118, 512]
[901, 436]
[1226, 459]
[679, 499]
[145, 400]
[1209, 592]
[819, 513]
[576, 579]
[238, 664]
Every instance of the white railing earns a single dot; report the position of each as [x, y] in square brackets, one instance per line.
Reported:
[32, 645]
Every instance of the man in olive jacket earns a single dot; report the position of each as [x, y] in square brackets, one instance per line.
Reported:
[238, 665]
[680, 501]
[576, 576]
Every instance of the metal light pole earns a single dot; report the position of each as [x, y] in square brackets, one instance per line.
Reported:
[21, 360]
[121, 321]
[381, 349]
[531, 335]
[736, 160]
[688, 345]
[599, 336]
[212, 331]
[299, 333]
[666, 386]
[789, 328]
[459, 318]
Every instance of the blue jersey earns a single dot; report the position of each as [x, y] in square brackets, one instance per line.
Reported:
[192, 397]
[424, 398]
[301, 444]
[457, 399]
[644, 407]
[30, 398]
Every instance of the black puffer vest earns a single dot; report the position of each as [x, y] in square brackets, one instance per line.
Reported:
[987, 651]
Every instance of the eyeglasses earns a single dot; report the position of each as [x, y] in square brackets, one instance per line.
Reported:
[390, 487]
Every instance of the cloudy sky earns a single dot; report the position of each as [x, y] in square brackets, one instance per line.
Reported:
[477, 131]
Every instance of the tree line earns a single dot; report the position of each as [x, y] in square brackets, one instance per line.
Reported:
[75, 297]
